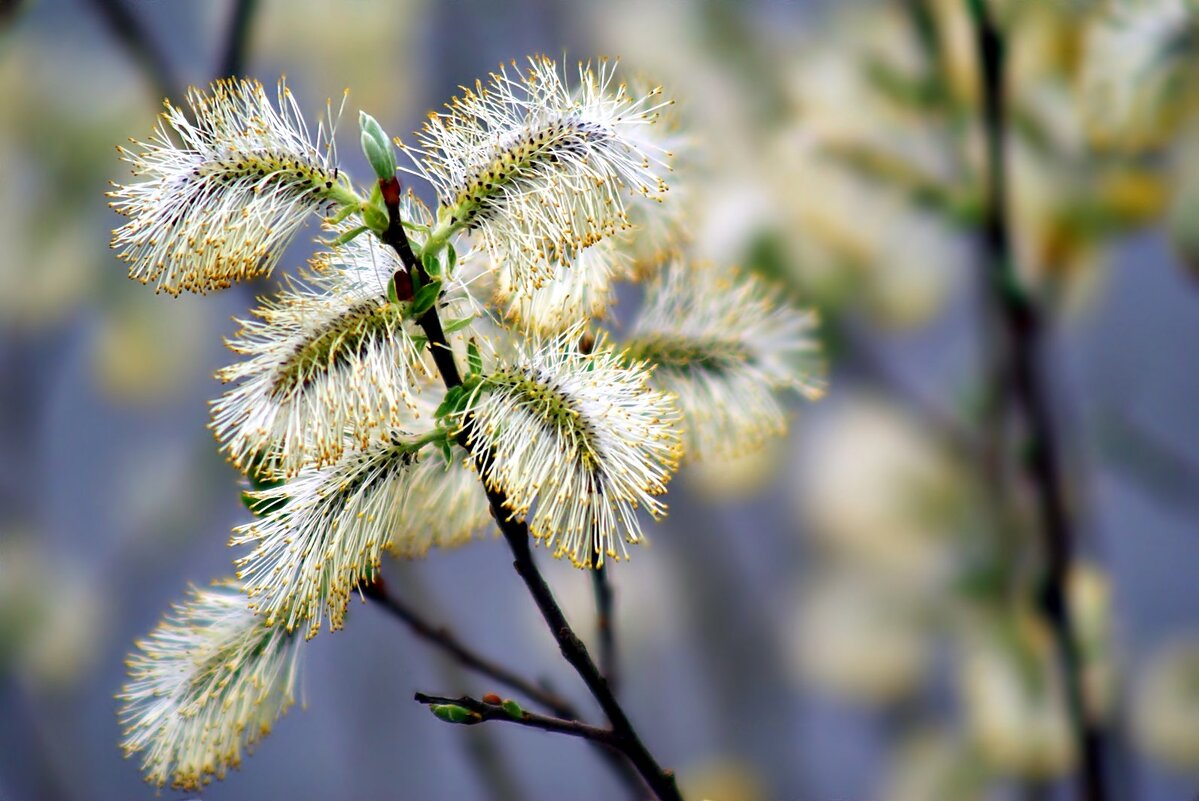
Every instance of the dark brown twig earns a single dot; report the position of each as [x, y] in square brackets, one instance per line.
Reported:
[516, 534]
[605, 624]
[237, 41]
[483, 711]
[661, 781]
[444, 639]
[494, 771]
[449, 644]
[137, 41]
[1024, 344]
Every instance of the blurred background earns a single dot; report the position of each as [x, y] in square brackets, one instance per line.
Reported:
[848, 614]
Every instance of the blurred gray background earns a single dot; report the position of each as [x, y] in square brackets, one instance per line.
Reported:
[113, 497]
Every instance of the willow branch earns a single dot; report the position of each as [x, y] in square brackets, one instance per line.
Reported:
[139, 44]
[448, 643]
[516, 534]
[445, 640]
[237, 39]
[483, 711]
[1024, 341]
[601, 584]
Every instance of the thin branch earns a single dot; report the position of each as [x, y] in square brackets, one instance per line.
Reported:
[9, 9]
[237, 40]
[139, 44]
[444, 639]
[1024, 341]
[1151, 461]
[601, 586]
[493, 770]
[516, 533]
[605, 624]
[661, 781]
[482, 712]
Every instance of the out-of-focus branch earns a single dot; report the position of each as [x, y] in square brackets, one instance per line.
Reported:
[1022, 366]
[605, 624]
[237, 40]
[135, 38]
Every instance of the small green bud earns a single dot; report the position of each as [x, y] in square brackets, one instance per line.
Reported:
[513, 709]
[377, 146]
[452, 713]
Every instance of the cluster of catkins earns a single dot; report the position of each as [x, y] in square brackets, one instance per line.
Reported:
[550, 191]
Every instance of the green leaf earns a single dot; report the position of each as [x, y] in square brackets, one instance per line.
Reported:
[432, 264]
[458, 325]
[419, 341]
[345, 212]
[376, 144]
[450, 401]
[451, 258]
[474, 358]
[447, 451]
[374, 218]
[513, 709]
[349, 236]
[425, 298]
[456, 401]
[461, 403]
